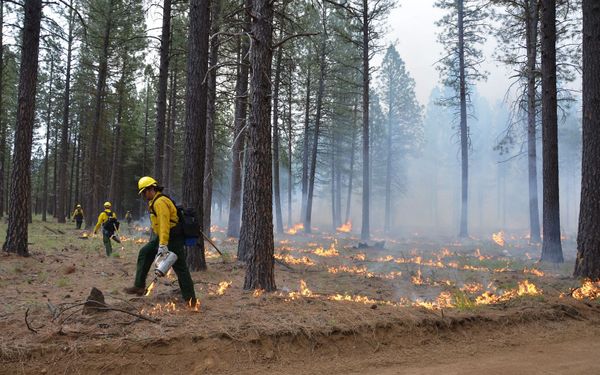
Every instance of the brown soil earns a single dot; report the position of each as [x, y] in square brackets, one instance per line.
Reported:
[239, 332]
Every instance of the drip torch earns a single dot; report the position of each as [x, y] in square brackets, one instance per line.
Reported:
[163, 261]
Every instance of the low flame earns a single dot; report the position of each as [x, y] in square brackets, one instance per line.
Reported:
[362, 270]
[525, 288]
[498, 238]
[149, 289]
[417, 279]
[195, 307]
[533, 271]
[223, 286]
[258, 292]
[293, 260]
[345, 228]
[295, 228]
[331, 252]
[589, 289]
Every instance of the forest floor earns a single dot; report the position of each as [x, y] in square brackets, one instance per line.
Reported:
[416, 305]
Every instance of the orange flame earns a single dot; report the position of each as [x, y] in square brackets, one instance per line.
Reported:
[331, 252]
[498, 238]
[345, 228]
[295, 228]
[258, 292]
[149, 290]
[588, 289]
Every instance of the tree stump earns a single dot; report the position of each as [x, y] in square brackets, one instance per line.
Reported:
[93, 302]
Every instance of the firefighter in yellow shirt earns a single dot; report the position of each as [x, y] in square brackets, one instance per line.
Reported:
[108, 221]
[78, 216]
[164, 218]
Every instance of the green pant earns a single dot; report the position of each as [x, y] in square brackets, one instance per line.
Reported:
[107, 244]
[146, 258]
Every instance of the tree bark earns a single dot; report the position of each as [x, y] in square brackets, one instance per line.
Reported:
[143, 207]
[464, 130]
[92, 186]
[213, 60]
[239, 135]
[351, 172]
[531, 22]
[305, 147]
[116, 156]
[257, 216]
[47, 148]
[588, 234]
[388, 164]
[161, 101]
[290, 140]
[366, 195]
[316, 130]
[20, 183]
[64, 133]
[195, 121]
[3, 129]
[276, 177]
[551, 247]
[172, 125]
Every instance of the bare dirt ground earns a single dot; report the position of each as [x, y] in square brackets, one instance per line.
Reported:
[415, 306]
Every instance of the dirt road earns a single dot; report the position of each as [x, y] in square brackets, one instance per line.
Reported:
[579, 356]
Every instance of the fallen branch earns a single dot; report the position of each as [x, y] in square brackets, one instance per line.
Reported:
[105, 307]
[27, 322]
[57, 231]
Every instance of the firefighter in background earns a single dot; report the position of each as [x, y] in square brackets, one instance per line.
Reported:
[108, 221]
[163, 215]
[78, 216]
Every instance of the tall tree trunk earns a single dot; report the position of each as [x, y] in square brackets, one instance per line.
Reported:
[20, 183]
[366, 195]
[334, 223]
[3, 129]
[305, 147]
[388, 164]
[351, 172]
[92, 186]
[239, 133]
[531, 21]
[55, 172]
[213, 60]
[276, 177]
[257, 216]
[172, 124]
[588, 234]
[551, 247]
[47, 148]
[161, 100]
[195, 121]
[290, 140]
[64, 134]
[315, 144]
[143, 207]
[464, 130]
[116, 156]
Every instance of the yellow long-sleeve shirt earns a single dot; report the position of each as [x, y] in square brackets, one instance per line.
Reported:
[102, 219]
[77, 212]
[163, 215]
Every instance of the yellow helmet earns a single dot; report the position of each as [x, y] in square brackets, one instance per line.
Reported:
[146, 182]
[78, 206]
[107, 205]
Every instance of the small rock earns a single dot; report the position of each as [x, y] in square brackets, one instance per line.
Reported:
[44, 371]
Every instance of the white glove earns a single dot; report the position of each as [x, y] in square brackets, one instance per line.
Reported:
[162, 250]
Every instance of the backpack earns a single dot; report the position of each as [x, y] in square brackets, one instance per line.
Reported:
[111, 224]
[187, 225]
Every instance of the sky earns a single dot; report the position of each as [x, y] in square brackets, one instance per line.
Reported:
[412, 27]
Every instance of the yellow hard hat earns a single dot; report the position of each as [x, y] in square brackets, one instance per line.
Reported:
[78, 206]
[146, 182]
[107, 205]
